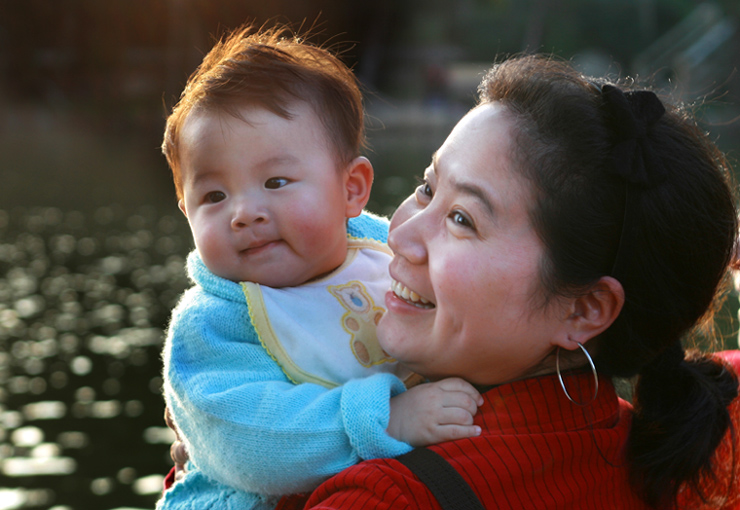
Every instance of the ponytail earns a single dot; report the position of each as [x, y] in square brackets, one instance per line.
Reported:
[680, 418]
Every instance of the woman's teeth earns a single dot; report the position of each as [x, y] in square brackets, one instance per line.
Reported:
[409, 295]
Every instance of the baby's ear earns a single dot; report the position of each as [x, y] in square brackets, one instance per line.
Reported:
[181, 206]
[358, 182]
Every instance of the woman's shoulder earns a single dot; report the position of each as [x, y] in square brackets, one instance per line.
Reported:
[731, 358]
[373, 483]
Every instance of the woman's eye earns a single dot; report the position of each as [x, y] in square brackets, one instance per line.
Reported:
[459, 218]
[424, 189]
[276, 182]
[214, 197]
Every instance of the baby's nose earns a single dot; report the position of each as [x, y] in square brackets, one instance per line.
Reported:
[246, 214]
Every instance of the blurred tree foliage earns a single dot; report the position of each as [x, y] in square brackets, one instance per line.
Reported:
[483, 28]
[117, 65]
[105, 50]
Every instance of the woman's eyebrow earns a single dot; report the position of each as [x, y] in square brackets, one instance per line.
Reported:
[476, 191]
[466, 188]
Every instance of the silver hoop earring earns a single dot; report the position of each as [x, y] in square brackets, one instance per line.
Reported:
[593, 371]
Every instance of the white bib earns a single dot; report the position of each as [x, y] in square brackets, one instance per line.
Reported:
[323, 331]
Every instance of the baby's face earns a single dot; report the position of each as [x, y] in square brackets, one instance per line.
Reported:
[264, 198]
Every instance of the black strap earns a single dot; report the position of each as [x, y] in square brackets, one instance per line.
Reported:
[450, 489]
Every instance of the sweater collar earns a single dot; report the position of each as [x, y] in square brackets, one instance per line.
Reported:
[539, 405]
[221, 287]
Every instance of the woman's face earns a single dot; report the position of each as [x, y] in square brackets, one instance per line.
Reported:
[466, 294]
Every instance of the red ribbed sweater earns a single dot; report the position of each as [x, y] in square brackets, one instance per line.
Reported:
[537, 451]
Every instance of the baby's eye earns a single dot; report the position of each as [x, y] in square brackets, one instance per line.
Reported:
[214, 197]
[276, 182]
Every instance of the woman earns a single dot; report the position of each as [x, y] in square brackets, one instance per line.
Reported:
[566, 225]
[566, 229]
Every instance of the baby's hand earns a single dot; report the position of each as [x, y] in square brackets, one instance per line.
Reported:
[434, 412]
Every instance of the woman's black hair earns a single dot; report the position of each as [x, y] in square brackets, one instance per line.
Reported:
[667, 235]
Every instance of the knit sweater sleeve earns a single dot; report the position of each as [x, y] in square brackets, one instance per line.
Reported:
[245, 425]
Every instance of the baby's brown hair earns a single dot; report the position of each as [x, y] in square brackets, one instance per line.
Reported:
[271, 68]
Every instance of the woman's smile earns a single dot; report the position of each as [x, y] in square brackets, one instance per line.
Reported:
[408, 295]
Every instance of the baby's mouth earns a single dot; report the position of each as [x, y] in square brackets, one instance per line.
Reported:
[408, 295]
[256, 247]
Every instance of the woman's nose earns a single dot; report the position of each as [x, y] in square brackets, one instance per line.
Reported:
[407, 235]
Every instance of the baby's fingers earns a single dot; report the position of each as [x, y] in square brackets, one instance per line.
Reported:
[455, 384]
[459, 400]
[454, 432]
[455, 416]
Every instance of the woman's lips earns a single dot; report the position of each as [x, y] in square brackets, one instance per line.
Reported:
[409, 296]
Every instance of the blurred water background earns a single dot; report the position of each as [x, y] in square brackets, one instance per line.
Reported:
[92, 245]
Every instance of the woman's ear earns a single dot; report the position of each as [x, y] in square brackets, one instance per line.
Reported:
[181, 205]
[592, 313]
[358, 183]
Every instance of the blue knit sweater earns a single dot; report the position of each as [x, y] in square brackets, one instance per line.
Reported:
[251, 434]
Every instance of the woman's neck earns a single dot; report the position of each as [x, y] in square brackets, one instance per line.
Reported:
[568, 361]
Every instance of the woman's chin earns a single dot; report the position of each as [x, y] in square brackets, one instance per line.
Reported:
[401, 330]
[392, 336]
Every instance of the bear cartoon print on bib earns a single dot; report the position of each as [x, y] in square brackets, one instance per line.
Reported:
[359, 321]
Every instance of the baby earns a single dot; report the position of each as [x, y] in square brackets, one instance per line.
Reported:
[274, 377]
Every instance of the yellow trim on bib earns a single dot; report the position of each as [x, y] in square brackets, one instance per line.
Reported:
[261, 324]
[366, 242]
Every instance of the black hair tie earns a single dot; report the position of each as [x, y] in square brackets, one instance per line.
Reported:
[631, 114]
